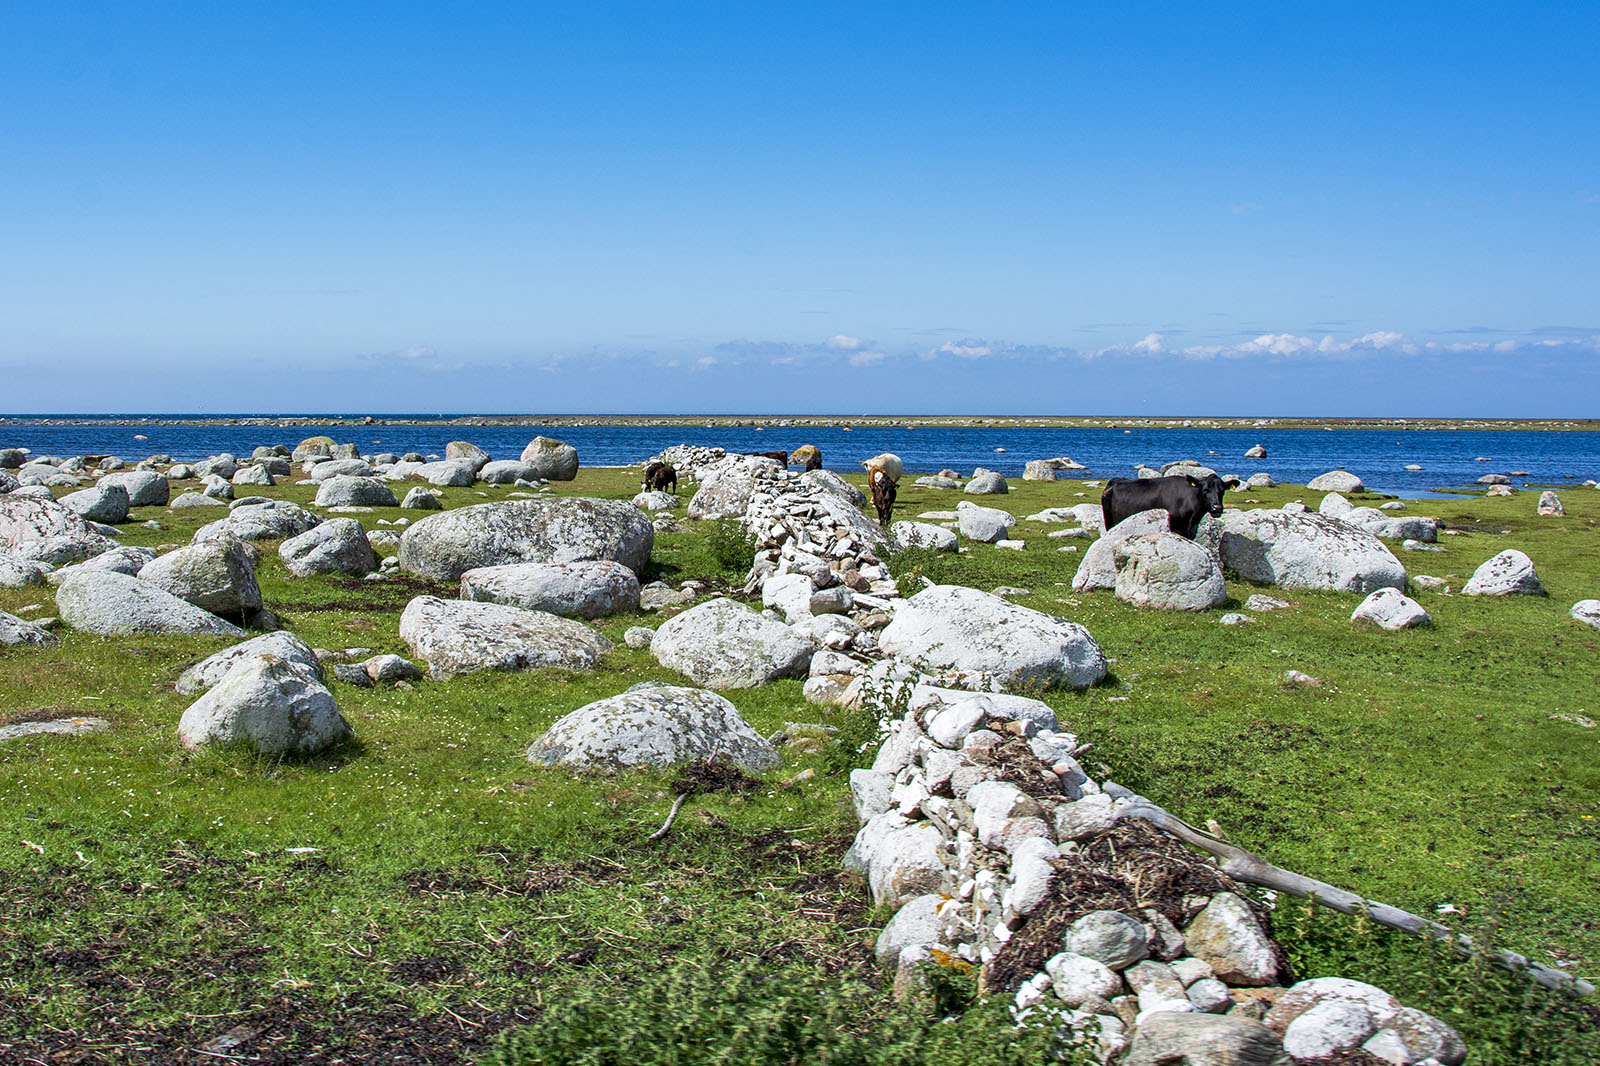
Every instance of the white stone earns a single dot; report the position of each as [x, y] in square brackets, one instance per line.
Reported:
[1391, 609]
[270, 704]
[1510, 572]
[652, 724]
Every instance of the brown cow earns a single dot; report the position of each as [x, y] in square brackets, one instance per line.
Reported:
[658, 476]
[883, 493]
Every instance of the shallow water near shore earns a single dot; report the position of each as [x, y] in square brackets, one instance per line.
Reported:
[1448, 457]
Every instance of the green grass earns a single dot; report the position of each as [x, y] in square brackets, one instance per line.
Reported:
[458, 888]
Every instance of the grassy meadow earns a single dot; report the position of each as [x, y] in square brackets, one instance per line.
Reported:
[422, 891]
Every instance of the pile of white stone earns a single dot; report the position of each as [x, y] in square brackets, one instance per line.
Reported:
[973, 807]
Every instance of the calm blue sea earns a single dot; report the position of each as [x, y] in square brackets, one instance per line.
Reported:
[1447, 457]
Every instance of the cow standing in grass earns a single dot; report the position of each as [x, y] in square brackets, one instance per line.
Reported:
[660, 477]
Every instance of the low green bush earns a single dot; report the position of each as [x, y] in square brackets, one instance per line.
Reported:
[731, 545]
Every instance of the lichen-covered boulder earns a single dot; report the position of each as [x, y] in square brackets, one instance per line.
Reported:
[1307, 551]
[145, 488]
[124, 560]
[507, 472]
[344, 490]
[270, 520]
[592, 589]
[559, 530]
[724, 644]
[216, 575]
[18, 632]
[457, 637]
[1391, 609]
[1168, 571]
[282, 645]
[40, 529]
[270, 704]
[553, 459]
[653, 724]
[115, 604]
[1099, 567]
[953, 628]
[925, 535]
[1509, 573]
[313, 446]
[102, 503]
[336, 546]
[1336, 481]
[467, 451]
[983, 524]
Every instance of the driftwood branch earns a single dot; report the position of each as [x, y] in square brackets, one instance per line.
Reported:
[672, 816]
[1242, 865]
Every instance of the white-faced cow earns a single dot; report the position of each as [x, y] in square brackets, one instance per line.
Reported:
[1185, 499]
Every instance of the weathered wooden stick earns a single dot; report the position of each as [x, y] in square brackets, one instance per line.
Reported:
[1242, 865]
[672, 816]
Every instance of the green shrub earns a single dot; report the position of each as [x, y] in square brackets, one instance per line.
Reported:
[731, 545]
[689, 1015]
[1505, 1019]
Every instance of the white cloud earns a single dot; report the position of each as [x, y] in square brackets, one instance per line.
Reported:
[841, 342]
[1152, 343]
[966, 349]
[706, 361]
[865, 358]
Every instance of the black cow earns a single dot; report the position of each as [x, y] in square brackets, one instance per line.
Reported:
[1185, 499]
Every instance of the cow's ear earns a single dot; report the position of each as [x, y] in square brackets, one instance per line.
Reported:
[1192, 481]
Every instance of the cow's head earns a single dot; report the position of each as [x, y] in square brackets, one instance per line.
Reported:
[1211, 489]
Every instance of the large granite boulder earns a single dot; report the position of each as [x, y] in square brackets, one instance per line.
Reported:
[268, 704]
[1189, 1038]
[653, 724]
[332, 468]
[115, 604]
[1300, 550]
[724, 644]
[507, 472]
[1387, 526]
[281, 645]
[558, 530]
[953, 628]
[457, 637]
[448, 473]
[575, 590]
[124, 560]
[983, 524]
[554, 460]
[336, 546]
[344, 490]
[16, 572]
[1168, 571]
[1391, 609]
[926, 535]
[1325, 1017]
[1509, 573]
[311, 447]
[40, 529]
[986, 483]
[468, 452]
[828, 481]
[215, 575]
[271, 520]
[1336, 481]
[145, 488]
[1099, 567]
[102, 503]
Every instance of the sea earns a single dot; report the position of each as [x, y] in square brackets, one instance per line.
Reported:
[1449, 459]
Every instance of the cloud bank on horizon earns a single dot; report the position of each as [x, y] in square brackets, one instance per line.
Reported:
[560, 208]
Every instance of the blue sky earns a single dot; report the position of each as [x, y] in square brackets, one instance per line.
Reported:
[1030, 208]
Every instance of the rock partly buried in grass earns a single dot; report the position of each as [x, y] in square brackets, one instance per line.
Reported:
[574, 590]
[655, 501]
[1388, 527]
[40, 529]
[145, 488]
[1099, 567]
[1391, 609]
[119, 560]
[723, 644]
[195, 499]
[420, 499]
[269, 704]
[64, 727]
[336, 546]
[102, 503]
[1385, 1026]
[1307, 551]
[115, 604]
[1587, 612]
[280, 645]
[986, 525]
[332, 468]
[1550, 504]
[952, 628]
[561, 530]
[653, 724]
[347, 491]
[507, 472]
[273, 520]
[18, 573]
[1336, 481]
[1509, 573]
[217, 576]
[456, 637]
[553, 459]
[986, 483]
[1168, 571]
[18, 632]
[924, 535]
